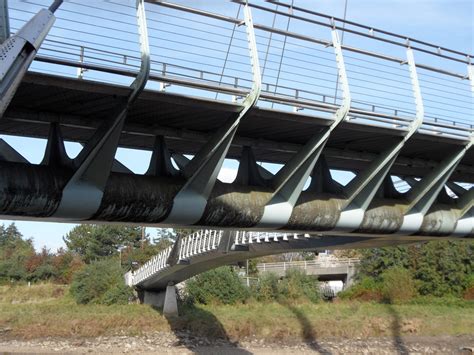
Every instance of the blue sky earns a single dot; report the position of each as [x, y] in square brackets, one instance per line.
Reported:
[448, 23]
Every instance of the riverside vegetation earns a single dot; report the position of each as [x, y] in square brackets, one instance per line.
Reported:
[79, 292]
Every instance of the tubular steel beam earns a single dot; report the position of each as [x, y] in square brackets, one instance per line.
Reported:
[289, 181]
[83, 192]
[363, 188]
[201, 172]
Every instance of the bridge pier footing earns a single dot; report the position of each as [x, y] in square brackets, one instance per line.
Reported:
[170, 308]
[167, 300]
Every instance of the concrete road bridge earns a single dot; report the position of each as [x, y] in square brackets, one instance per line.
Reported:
[326, 269]
[259, 82]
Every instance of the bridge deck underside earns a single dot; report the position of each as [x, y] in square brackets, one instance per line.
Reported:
[186, 122]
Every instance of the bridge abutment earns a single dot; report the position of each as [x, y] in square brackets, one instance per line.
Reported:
[350, 276]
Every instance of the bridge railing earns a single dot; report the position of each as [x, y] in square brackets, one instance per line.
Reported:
[202, 242]
[156, 264]
[199, 242]
[198, 52]
[250, 237]
[305, 264]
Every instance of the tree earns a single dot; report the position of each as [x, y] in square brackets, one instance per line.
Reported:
[14, 252]
[438, 268]
[92, 242]
[375, 261]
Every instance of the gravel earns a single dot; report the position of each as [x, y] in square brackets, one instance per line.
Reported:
[185, 343]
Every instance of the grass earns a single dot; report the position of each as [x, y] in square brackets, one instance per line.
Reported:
[43, 311]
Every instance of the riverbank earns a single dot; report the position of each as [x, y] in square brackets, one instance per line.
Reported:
[30, 316]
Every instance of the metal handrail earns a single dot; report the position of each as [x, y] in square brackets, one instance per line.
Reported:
[380, 110]
[309, 263]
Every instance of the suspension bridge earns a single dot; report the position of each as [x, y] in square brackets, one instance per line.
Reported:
[265, 83]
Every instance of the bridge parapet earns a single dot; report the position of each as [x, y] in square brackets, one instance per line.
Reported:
[306, 264]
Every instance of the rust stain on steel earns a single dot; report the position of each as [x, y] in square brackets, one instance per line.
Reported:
[30, 190]
[235, 205]
[137, 198]
[316, 211]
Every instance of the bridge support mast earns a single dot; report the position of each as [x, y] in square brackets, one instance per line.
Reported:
[362, 189]
[83, 192]
[288, 183]
[465, 222]
[201, 172]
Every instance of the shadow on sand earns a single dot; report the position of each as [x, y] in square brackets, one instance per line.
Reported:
[309, 336]
[201, 332]
[196, 326]
[396, 330]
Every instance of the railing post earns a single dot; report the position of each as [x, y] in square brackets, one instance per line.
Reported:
[420, 109]
[81, 70]
[4, 21]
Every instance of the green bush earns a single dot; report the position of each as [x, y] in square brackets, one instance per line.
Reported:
[121, 294]
[297, 285]
[221, 285]
[267, 288]
[100, 282]
[397, 285]
[366, 289]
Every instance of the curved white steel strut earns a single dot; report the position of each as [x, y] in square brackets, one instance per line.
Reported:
[201, 172]
[82, 195]
[289, 181]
